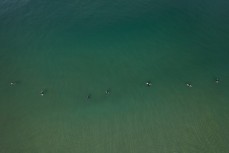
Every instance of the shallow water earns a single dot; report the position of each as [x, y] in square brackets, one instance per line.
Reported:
[76, 48]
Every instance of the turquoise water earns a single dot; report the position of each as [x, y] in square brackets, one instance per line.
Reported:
[76, 48]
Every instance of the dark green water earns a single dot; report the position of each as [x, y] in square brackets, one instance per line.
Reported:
[74, 48]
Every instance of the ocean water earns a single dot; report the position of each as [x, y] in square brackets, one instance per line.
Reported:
[74, 48]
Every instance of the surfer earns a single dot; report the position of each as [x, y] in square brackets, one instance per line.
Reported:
[217, 80]
[108, 91]
[148, 83]
[88, 96]
[12, 83]
[42, 92]
[188, 85]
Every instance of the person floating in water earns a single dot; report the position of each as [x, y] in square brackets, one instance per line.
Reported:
[13, 83]
[217, 80]
[148, 83]
[43, 92]
[189, 85]
[88, 96]
[108, 91]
